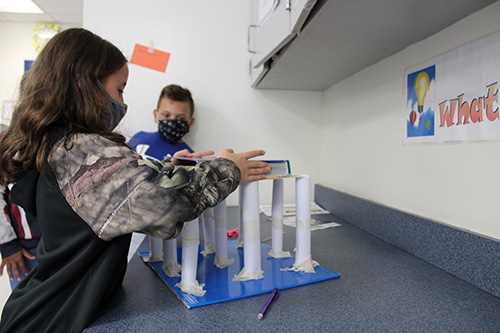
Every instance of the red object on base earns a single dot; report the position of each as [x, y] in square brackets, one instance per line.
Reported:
[232, 233]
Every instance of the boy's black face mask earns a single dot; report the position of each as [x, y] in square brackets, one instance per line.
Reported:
[172, 130]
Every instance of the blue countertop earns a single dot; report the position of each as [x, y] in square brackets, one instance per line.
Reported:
[381, 289]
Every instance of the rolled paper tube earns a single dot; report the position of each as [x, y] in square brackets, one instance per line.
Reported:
[277, 218]
[209, 231]
[220, 214]
[156, 247]
[303, 228]
[240, 217]
[171, 267]
[251, 230]
[277, 221]
[190, 234]
[221, 260]
[170, 250]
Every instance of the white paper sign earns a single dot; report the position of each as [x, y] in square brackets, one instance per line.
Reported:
[454, 97]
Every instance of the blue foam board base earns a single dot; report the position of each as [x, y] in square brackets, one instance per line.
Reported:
[219, 284]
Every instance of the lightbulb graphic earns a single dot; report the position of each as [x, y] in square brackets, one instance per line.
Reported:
[421, 86]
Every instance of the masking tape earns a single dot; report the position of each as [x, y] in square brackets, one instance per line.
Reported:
[209, 213]
[250, 226]
[277, 223]
[302, 225]
[252, 237]
[220, 222]
[190, 240]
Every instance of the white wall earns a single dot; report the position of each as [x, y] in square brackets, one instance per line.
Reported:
[16, 45]
[362, 150]
[207, 42]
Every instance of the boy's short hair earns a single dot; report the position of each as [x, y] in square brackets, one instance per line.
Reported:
[178, 94]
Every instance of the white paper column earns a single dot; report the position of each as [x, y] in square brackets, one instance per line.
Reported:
[156, 247]
[171, 266]
[277, 219]
[190, 242]
[240, 217]
[208, 231]
[251, 235]
[221, 260]
[303, 260]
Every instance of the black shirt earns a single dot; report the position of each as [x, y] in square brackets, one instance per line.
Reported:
[76, 272]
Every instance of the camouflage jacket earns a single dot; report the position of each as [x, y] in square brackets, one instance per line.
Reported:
[116, 192]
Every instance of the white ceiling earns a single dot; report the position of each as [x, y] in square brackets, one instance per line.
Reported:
[58, 11]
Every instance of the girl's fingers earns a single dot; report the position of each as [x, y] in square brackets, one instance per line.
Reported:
[258, 171]
[198, 154]
[252, 153]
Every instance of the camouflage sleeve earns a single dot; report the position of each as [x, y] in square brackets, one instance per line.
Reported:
[116, 192]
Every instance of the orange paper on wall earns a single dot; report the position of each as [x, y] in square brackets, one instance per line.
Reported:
[157, 60]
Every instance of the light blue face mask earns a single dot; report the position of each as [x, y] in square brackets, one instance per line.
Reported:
[117, 109]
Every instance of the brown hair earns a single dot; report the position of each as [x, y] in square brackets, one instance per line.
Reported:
[178, 94]
[60, 97]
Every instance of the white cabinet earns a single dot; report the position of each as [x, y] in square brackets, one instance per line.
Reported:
[275, 24]
[299, 13]
[341, 37]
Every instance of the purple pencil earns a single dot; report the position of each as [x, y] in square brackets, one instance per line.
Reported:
[273, 296]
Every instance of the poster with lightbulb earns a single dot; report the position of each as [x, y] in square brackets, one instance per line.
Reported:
[454, 97]
[421, 88]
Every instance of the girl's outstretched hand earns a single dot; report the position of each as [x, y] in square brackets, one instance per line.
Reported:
[186, 153]
[251, 170]
[196, 154]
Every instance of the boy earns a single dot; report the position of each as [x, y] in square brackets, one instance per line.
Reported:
[174, 116]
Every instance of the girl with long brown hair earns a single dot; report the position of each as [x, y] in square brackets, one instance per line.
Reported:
[89, 190]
